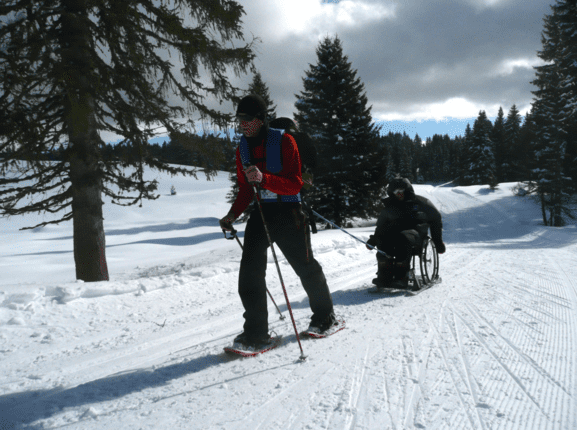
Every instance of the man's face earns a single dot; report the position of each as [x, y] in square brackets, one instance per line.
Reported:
[250, 127]
[399, 193]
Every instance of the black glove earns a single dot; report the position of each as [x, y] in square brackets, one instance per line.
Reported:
[226, 222]
[372, 241]
[440, 247]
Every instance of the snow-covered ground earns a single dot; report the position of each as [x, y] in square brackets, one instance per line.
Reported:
[493, 346]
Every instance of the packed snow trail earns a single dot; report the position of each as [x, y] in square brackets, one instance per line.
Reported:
[491, 347]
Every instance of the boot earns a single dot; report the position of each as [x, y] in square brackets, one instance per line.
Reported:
[401, 274]
[385, 274]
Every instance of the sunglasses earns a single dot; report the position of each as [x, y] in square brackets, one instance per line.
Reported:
[245, 117]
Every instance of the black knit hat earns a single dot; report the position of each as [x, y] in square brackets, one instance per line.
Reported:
[252, 105]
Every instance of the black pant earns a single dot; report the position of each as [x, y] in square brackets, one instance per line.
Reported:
[400, 245]
[290, 232]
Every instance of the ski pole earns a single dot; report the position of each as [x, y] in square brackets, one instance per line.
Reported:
[257, 199]
[233, 235]
[342, 229]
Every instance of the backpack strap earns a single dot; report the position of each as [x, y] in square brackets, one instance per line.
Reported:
[274, 150]
[273, 164]
[244, 152]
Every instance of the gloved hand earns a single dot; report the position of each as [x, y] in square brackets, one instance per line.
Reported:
[440, 247]
[253, 175]
[372, 241]
[226, 222]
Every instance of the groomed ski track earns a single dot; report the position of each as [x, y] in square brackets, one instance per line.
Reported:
[491, 347]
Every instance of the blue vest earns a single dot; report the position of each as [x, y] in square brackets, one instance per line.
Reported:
[273, 164]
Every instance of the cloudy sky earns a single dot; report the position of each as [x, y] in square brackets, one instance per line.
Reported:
[428, 66]
[419, 59]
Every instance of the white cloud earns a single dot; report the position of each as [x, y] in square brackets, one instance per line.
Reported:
[306, 17]
[507, 67]
[456, 107]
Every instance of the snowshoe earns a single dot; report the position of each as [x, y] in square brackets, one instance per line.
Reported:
[247, 347]
[325, 329]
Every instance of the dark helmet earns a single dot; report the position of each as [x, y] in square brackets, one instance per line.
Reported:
[252, 105]
[403, 184]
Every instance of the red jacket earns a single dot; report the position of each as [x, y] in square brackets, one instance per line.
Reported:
[287, 182]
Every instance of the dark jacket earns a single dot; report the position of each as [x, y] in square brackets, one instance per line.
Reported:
[413, 213]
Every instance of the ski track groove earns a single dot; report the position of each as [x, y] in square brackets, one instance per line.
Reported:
[477, 315]
[440, 342]
[572, 413]
[470, 380]
[419, 379]
[355, 394]
[501, 363]
[277, 399]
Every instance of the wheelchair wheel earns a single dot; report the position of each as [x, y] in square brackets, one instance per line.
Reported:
[429, 261]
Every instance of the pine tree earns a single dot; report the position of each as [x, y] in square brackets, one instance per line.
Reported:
[72, 69]
[567, 63]
[259, 87]
[498, 138]
[481, 162]
[406, 158]
[391, 170]
[550, 146]
[513, 167]
[464, 177]
[332, 108]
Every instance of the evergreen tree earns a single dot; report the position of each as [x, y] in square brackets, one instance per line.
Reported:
[498, 138]
[513, 167]
[567, 64]
[406, 158]
[550, 146]
[481, 162]
[259, 87]
[464, 178]
[72, 69]
[332, 108]
[391, 171]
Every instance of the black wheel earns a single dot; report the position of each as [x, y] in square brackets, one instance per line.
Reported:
[429, 261]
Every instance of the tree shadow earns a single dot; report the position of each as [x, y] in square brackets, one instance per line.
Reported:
[20, 410]
[171, 241]
[354, 297]
[155, 228]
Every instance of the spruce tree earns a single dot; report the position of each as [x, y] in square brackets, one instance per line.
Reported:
[333, 110]
[498, 138]
[481, 162]
[391, 170]
[259, 87]
[550, 146]
[566, 12]
[72, 69]
[464, 178]
[406, 158]
[513, 167]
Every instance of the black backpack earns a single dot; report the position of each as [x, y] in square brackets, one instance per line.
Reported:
[308, 154]
[305, 144]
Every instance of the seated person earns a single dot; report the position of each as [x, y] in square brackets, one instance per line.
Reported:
[401, 228]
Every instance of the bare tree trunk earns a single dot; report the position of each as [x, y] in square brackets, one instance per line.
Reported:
[84, 155]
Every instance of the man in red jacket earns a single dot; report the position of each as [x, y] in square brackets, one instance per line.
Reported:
[270, 160]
